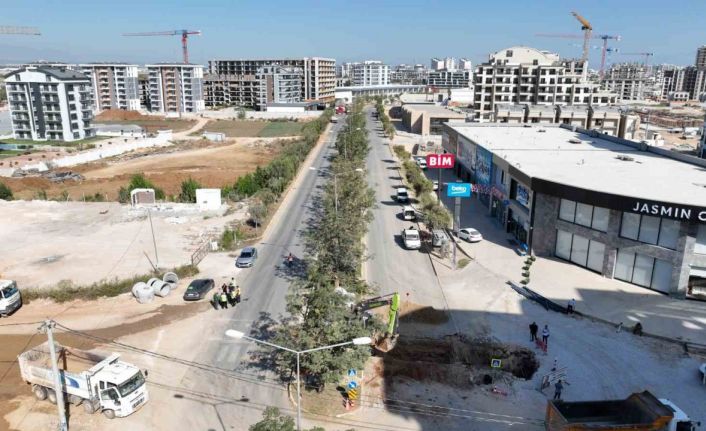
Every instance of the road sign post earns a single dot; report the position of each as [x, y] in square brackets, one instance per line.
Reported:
[439, 162]
[457, 191]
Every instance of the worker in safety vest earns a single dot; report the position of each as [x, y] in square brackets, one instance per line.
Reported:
[237, 295]
[231, 296]
[216, 299]
[223, 299]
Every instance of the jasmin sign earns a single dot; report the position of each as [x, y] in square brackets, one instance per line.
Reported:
[669, 211]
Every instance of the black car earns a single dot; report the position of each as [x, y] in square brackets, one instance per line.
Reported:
[198, 289]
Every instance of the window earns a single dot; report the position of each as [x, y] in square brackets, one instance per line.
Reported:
[643, 270]
[596, 251]
[651, 230]
[563, 244]
[580, 250]
[700, 246]
[584, 215]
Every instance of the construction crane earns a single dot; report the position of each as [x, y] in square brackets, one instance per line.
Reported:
[184, 38]
[587, 31]
[604, 37]
[387, 341]
[29, 31]
[647, 55]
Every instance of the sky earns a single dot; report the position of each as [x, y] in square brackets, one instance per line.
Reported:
[394, 31]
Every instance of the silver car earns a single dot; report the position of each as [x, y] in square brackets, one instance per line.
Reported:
[247, 258]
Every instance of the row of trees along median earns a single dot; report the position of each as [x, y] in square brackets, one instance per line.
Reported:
[319, 312]
[434, 215]
[387, 127]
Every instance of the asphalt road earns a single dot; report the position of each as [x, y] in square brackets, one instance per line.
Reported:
[390, 267]
[265, 287]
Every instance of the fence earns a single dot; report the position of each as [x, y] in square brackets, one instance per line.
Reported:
[201, 252]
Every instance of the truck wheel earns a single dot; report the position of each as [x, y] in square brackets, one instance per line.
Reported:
[88, 408]
[110, 414]
[40, 392]
[51, 396]
[75, 400]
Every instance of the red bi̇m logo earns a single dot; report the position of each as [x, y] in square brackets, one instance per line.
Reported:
[440, 161]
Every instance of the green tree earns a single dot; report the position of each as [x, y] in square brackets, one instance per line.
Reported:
[246, 185]
[188, 190]
[257, 212]
[5, 192]
[241, 114]
[138, 181]
[273, 420]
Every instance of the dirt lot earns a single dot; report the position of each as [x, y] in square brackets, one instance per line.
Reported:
[150, 123]
[213, 165]
[263, 129]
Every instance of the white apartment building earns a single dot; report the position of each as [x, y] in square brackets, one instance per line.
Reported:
[114, 85]
[450, 78]
[370, 73]
[524, 75]
[49, 104]
[279, 84]
[319, 79]
[465, 64]
[175, 87]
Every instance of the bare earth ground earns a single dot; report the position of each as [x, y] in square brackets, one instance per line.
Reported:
[87, 242]
[150, 123]
[213, 165]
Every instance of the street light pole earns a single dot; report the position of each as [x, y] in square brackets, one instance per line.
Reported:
[357, 341]
[58, 391]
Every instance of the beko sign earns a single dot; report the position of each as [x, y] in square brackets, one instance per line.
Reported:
[669, 211]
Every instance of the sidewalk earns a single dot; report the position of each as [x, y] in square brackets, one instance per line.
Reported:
[596, 296]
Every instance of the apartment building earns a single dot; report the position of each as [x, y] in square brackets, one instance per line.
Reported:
[48, 103]
[279, 84]
[238, 82]
[700, 61]
[115, 85]
[369, 73]
[524, 75]
[450, 78]
[627, 80]
[175, 88]
[409, 74]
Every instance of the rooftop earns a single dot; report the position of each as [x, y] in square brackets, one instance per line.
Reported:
[56, 72]
[432, 110]
[593, 163]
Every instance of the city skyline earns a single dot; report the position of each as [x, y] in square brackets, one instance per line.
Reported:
[343, 32]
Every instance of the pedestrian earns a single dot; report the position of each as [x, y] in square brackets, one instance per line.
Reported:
[533, 331]
[224, 300]
[216, 299]
[231, 295]
[232, 283]
[620, 327]
[571, 306]
[545, 336]
[637, 329]
[290, 260]
[558, 387]
[237, 295]
[224, 288]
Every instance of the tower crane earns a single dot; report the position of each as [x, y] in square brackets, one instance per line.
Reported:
[29, 31]
[604, 37]
[647, 55]
[587, 30]
[183, 33]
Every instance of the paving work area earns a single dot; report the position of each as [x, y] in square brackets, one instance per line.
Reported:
[262, 129]
[84, 243]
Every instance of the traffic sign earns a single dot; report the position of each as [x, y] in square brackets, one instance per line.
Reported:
[496, 363]
[352, 394]
[440, 161]
[351, 372]
[352, 384]
[458, 190]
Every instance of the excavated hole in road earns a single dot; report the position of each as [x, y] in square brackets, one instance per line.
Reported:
[457, 361]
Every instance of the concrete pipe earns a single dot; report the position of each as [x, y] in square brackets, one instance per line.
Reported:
[171, 277]
[143, 293]
[153, 280]
[161, 288]
[139, 286]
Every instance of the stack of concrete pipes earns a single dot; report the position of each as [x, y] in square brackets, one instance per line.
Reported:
[145, 292]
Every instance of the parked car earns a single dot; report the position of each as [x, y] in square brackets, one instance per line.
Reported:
[408, 213]
[247, 258]
[439, 237]
[411, 239]
[198, 289]
[470, 235]
[422, 163]
[402, 195]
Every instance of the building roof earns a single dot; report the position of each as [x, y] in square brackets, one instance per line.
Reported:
[380, 87]
[510, 107]
[432, 110]
[58, 73]
[592, 164]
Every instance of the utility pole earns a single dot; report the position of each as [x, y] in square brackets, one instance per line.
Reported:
[457, 222]
[154, 241]
[47, 327]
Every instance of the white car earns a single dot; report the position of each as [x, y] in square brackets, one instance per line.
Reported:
[411, 239]
[470, 235]
[402, 195]
[422, 163]
[408, 213]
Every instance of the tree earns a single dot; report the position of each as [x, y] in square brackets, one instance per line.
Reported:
[273, 420]
[241, 114]
[138, 181]
[258, 212]
[188, 190]
[5, 192]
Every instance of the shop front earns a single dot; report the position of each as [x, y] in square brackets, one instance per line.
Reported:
[498, 205]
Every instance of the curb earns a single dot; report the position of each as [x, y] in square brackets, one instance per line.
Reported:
[688, 346]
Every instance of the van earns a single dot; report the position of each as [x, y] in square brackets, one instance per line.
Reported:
[10, 297]
[402, 195]
[408, 213]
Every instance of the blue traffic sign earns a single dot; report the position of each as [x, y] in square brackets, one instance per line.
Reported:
[352, 385]
[351, 372]
[458, 190]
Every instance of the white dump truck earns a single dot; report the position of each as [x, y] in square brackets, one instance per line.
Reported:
[10, 297]
[100, 383]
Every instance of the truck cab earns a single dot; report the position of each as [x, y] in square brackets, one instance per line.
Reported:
[10, 297]
[120, 388]
[680, 421]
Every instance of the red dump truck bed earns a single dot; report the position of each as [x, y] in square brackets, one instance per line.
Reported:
[639, 411]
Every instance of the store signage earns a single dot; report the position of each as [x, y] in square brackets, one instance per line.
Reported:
[440, 161]
[522, 195]
[484, 166]
[458, 190]
[671, 211]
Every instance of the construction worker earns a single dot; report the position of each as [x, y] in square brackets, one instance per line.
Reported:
[290, 260]
[231, 295]
[223, 299]
[232, 283]
[237, 295]
[216, 299]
